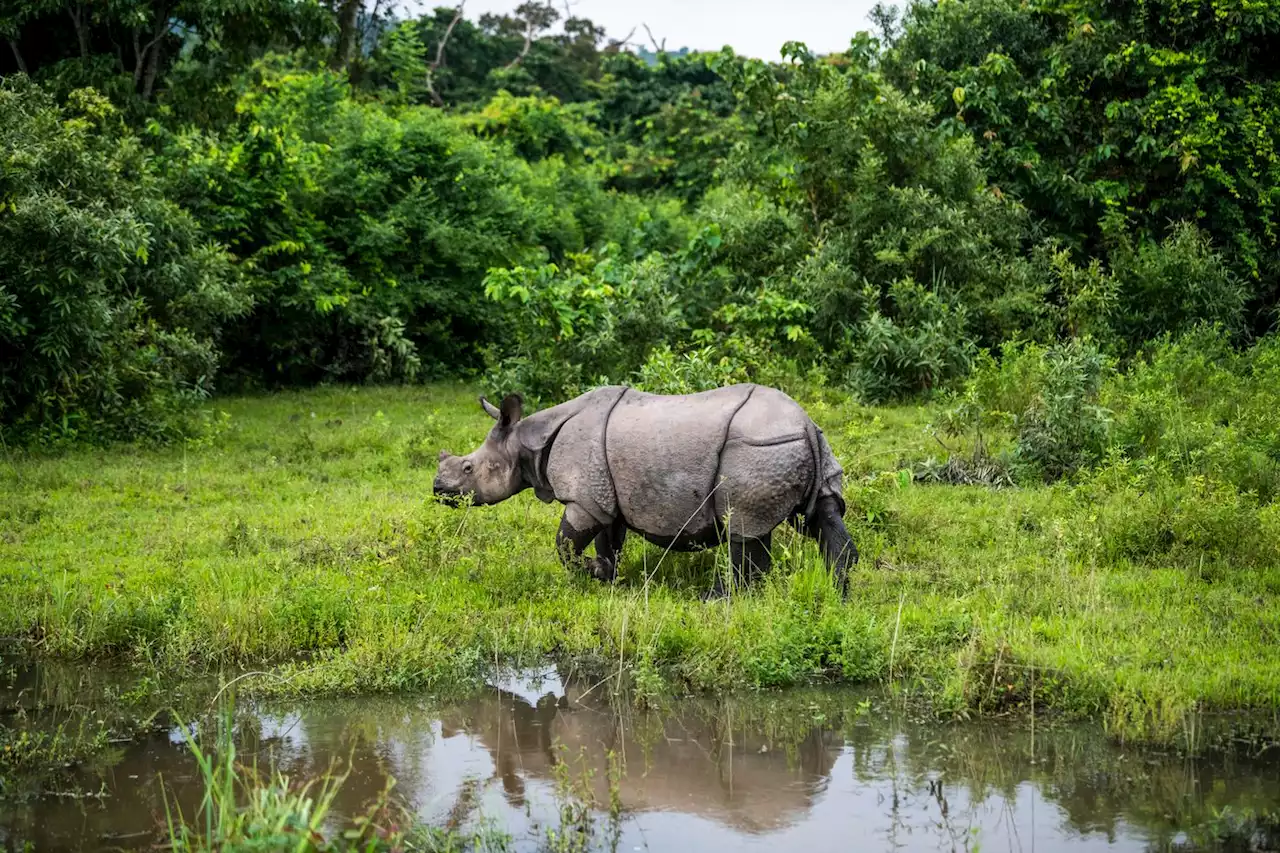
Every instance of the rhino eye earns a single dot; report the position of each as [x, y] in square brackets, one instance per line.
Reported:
[466, 467]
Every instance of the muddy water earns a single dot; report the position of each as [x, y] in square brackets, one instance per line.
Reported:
[808, 771]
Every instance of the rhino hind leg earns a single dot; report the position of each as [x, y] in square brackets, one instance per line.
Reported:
[749, 559]
[838, 550]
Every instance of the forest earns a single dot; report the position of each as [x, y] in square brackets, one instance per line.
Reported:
[220, 196]
[1019, 258]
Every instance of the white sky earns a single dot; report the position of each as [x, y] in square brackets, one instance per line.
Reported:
[755, 28]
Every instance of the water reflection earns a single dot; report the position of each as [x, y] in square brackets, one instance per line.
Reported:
[812, 770]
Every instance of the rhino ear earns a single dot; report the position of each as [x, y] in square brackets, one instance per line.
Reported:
[490, 409]
[512, 411]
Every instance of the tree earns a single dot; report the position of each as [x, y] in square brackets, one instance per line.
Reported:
[1127, 115]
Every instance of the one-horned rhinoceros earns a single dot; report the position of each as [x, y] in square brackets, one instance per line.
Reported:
[684, 471]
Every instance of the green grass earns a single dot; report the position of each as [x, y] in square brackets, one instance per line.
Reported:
[303, 539]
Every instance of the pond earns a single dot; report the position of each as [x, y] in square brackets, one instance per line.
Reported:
[806, 770]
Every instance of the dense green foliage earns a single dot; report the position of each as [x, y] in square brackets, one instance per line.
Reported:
[1100, 115]
[360, 197]
[366, 229]
[112, 298]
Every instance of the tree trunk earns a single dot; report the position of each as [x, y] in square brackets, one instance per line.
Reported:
[153, 67]
[137, 60]
[347, 33]
[147, 57]
[17, 55]
[76, 12]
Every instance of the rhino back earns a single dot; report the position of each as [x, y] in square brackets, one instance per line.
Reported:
[664, 453]
[768, 416]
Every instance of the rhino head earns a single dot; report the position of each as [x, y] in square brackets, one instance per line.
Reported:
[490, 473]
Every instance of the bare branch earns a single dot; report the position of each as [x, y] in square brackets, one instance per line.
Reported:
[658, 48]
[615, 45]
[153, 67]
[137, 60]
[524, 51]
[439, 60]
[140, 53]
[444, 39]
[371, 20]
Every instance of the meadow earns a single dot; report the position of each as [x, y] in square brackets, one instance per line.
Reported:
[298, 539]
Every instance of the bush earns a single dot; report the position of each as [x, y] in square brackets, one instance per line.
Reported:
[113, 298]
[536, 128]
[1064, 429]
[1173, 286]
[921, 346]
[666, 371]
[1144, 514]
[366, 230]
[886, 193]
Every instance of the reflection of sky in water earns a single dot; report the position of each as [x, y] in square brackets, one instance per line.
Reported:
[708, 775]
[874, 792]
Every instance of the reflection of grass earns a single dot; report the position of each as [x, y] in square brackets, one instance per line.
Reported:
[59, 720]
[34, 757]
[304, 539]
[243, 809]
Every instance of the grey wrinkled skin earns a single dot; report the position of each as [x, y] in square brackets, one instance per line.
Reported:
[684, 471]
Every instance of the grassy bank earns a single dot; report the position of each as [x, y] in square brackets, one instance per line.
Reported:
[303, 539]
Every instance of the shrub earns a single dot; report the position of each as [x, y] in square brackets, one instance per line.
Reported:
[1064, 429]
[536, 128]
[921, 346]
[887, 193]
[366, 230]
[1173, 286]
[113, 298]
[666, 371]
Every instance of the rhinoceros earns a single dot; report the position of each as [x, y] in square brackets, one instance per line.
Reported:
[685, 471]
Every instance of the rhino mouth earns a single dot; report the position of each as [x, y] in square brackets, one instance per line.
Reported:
[452, 497]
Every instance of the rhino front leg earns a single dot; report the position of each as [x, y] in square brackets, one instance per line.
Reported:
[749, 559]
[609, 544]
[838, 550]
[577, 529]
